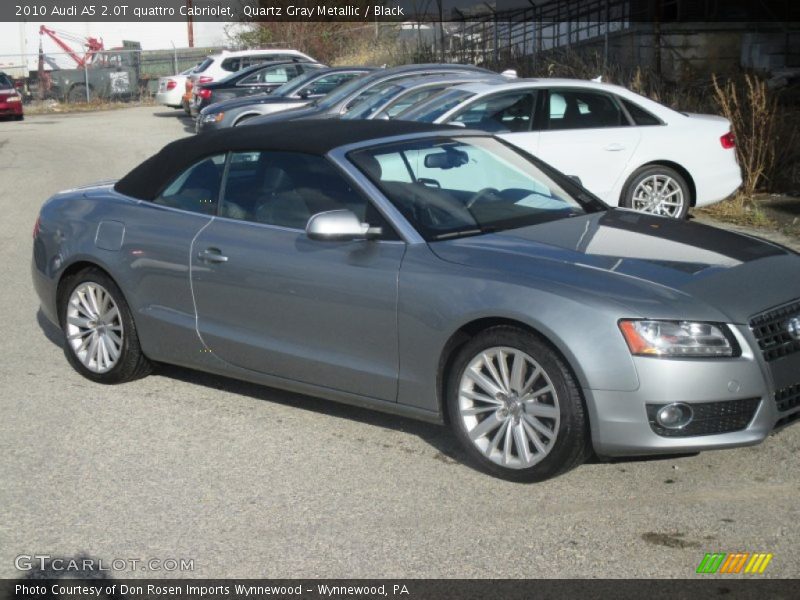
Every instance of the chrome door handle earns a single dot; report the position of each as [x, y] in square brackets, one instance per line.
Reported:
[212, 255]
[614, 147]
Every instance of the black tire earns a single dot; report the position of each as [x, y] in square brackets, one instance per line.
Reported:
[77, 94]
[132, 363]
[19, 117]
[644, 173]
[572, 443]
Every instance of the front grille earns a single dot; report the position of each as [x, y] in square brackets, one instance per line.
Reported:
[772, 333]
[788, 398]
[710, 418]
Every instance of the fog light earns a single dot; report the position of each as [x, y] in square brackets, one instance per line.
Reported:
[674, 416]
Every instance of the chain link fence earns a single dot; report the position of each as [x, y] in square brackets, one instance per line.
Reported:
[118, 75]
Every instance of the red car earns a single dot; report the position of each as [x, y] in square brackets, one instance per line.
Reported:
[10, 99]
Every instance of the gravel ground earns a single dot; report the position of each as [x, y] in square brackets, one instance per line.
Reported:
[253, 482]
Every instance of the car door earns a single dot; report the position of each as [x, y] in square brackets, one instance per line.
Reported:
[271, 300]
[157, 241]
[585, 132]
[509, 115]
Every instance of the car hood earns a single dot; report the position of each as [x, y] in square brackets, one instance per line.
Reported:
[658, 267]
[303, 112]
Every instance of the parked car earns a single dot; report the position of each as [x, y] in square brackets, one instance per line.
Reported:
[171, 89]
[432, 272]
[627, 149]
[218, 66]
[262, 78]
[296, 93]
[10, 99]
[337, 103]
[401, 95]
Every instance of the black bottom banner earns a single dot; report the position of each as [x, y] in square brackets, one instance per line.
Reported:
[396, 589]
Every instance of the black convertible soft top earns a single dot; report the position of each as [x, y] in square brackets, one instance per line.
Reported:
[317, 136]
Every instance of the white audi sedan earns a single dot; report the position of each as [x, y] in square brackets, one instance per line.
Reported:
[627, 149]
[171, 89]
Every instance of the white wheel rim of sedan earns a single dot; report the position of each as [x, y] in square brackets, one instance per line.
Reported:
[509, 407]
[660, 195]
[94, 327]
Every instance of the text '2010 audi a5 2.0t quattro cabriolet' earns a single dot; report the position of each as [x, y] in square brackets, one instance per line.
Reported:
[432, 272]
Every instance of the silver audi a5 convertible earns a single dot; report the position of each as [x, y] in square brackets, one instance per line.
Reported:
[432, 272]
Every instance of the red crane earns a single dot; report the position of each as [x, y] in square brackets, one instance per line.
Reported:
[92, 45]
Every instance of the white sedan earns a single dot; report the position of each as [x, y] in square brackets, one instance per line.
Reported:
[171, 89]
[628, 150]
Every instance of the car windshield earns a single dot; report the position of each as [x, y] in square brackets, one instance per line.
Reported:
[204, 65]
[452, 187]
[344, 91]
[242, 73]
[5, 82]
[291, 86]
[436, 106]
[372, 102]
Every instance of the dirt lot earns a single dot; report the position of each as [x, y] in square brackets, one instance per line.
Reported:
[252, 482]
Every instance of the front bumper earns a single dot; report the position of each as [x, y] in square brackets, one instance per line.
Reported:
[620, 423]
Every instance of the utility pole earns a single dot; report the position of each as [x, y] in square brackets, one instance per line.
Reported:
[189, 23]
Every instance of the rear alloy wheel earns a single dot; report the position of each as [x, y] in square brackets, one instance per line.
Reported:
[100, 337]
[515, 406]
[658, 190]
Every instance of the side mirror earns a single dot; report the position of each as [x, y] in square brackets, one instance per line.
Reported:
[339, 226]
[303, 94]
[575, 179]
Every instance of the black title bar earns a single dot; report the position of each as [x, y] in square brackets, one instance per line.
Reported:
[546, 11]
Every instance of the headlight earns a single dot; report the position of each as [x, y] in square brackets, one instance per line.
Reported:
[677, 338]
[14, 99]
[214, 117]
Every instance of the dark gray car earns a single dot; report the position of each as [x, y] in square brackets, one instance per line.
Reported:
[293, 94]
[431, 272]
[339, 102]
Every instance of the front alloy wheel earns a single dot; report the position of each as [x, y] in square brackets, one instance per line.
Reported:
[509, 408]
[515, 406]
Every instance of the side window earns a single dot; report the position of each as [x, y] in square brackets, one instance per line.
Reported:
[501, 113]
[287, 188]
[639, 115]
[231, 64]
[271, 75]
[582, 109]
[197, 188]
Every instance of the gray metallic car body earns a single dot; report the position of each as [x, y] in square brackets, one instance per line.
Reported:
[371, 322]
